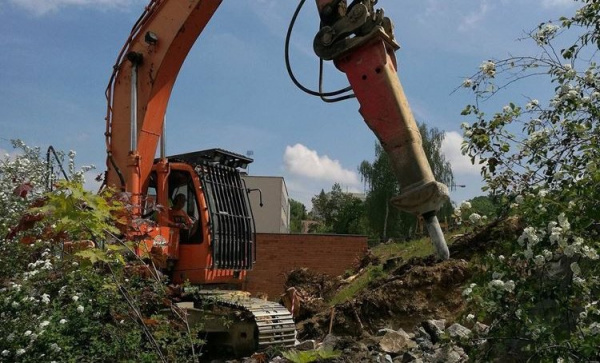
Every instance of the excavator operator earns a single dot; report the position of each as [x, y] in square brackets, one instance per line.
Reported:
[180, 219]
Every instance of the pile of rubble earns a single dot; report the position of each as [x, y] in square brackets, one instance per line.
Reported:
[431, 342]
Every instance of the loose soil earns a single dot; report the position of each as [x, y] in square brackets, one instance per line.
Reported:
[408, 294]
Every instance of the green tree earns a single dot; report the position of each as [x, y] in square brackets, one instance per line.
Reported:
[384, 220]
[339, 212]
[297, 215]
[486, 205]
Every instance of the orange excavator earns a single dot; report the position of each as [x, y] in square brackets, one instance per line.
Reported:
[218, 247]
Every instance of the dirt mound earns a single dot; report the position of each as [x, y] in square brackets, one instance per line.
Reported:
[408, 297]
[418, 290]
[410, 292]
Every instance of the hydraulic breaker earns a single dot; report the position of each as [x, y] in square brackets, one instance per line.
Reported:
[368, 60]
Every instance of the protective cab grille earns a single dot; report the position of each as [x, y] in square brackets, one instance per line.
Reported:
[231, 223]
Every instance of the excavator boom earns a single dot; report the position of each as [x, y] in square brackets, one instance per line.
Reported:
[141, 85]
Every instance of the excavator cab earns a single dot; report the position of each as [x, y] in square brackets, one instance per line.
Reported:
[221, 245]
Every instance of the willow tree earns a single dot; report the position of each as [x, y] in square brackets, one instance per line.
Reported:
[381, 185]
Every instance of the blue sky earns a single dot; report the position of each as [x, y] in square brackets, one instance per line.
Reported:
[233, 91]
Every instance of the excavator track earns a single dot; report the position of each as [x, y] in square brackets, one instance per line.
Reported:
[271, 324]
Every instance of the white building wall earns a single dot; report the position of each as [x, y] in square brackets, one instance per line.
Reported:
[274, 215]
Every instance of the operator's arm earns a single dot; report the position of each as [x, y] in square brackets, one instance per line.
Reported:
[180, 219]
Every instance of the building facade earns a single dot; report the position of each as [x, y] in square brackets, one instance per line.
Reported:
[274, 215]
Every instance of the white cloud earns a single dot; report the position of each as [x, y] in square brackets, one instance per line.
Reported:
[301, 161]
[42, 7]
[472, 19]
[461, 164]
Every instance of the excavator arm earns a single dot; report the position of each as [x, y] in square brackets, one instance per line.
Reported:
[360, 41]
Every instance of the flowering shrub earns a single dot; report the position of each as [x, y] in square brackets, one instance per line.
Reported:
[22, 178]
[465, 214]
[60, 304]
[539, 293]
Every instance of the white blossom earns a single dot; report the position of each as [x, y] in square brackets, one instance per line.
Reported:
[532, 104]
[75, 298]
[467, 83]
[530, 235]
[578, 281]
[20, 351]
[80, 309]
[497, 275]
[575, 268]
[475, 218]
[590, 253]
[509, 286]
[44, 324]
[539, 260]
[496, 284]
[488, 68]
[5, 353]
[545, 33]
[563, 222]
[594, 328]
[62, 321]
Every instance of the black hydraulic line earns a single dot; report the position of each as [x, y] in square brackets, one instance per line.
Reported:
[251, 229]
[50, 168]
[288, 66]
[118, 171]
[330, 100]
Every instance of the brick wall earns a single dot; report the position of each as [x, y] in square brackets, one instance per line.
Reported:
[277, 254]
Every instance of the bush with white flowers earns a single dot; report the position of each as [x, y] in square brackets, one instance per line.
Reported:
[57, 305]
[539, 292]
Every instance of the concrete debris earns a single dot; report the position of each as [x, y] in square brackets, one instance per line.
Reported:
[449, 354]
[330, 342]
[435, 328]
[457, 331]
[480, 328]
[396, 342]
